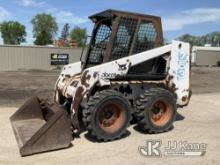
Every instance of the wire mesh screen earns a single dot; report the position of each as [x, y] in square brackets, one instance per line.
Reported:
[99, 44]
[124, 37]
[146, 37]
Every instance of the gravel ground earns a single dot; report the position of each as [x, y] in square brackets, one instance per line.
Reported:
[197, 123]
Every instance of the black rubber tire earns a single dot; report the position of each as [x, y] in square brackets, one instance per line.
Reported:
[91, 114]
[143, 109]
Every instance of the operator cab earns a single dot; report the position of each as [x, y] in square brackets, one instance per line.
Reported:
[119, 34]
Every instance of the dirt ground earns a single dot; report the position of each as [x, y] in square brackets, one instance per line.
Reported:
[16, 87]
[197, 123]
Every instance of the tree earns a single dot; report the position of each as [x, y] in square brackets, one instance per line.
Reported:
[44, 29]
[187, 38]
[13, 32]
[210, 38]
[65, 32]
[78, 34]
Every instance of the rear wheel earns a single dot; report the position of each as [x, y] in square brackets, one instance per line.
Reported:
[156, 110]
[107, 115]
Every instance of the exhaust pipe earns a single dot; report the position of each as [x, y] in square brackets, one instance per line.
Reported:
[39, 127]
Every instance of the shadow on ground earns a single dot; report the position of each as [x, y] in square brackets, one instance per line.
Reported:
[94, 140]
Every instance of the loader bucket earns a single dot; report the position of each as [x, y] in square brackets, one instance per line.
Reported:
[40, 127]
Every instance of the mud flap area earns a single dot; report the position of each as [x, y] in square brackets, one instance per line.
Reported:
[39, 127]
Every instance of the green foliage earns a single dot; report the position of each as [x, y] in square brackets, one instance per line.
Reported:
[78, 34]
[44, 29]
[211, 38]
[65, 32]
[13, 32]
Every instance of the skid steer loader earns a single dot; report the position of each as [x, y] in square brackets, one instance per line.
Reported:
[126, 73]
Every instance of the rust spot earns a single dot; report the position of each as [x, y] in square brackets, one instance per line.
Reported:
[57, 83]
[184, 98]
[186, 90]
[87, 78]
[74, 83]
[170, 84]
[60, 90]
[77, 98]
[169, 78]
[67, 75]
[173, 87]
[76, 102]
[95, 74]
[80, 93]
[129, 65]
[83, 78]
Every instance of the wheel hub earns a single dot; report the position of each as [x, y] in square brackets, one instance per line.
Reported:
[111, 116]
[108, 114]
[156, 110]
[160, 113]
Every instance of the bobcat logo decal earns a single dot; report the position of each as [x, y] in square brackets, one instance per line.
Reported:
[122, 67]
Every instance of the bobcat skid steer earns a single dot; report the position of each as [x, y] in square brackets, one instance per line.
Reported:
[126, 74]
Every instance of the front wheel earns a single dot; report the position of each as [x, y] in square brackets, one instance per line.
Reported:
[107, 115]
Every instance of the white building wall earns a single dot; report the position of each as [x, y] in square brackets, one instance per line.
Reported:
[32, 57]
[205, 56]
